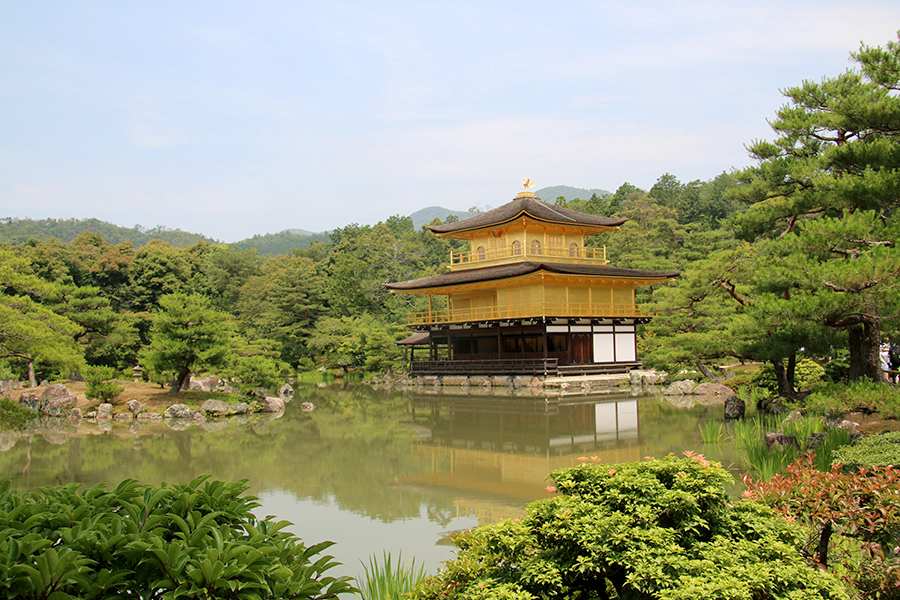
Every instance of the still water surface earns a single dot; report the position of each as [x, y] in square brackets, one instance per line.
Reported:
[375, 470]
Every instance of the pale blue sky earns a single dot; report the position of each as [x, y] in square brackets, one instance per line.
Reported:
[233, 118]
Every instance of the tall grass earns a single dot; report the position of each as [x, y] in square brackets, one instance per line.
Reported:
[387, 580]
[712, 432]
[762, 462]
[835, 437]
[804, 427]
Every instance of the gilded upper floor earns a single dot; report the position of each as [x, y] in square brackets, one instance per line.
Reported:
[527, 229]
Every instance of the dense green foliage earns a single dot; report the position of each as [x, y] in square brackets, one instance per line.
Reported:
[193, 540]
[819, 262]
[871, 451]
[862, 396]
[284, 242]
[101, 384]
[187, 334]
[14, 416]
[655, 529]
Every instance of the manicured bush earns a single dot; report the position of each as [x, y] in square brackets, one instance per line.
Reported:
[808, 374]
[871, 451]
[101, 384]
[853, 520]
[654, 529]
[193, 540]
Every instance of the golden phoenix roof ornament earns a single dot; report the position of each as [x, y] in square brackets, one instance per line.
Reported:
[528, 184]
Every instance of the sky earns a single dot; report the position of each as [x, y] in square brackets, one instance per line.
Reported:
[234, 118]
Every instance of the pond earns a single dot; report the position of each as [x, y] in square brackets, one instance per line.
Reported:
[376, 470]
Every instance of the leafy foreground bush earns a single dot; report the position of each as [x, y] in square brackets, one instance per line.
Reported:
[655, 529]
[853, 520]
[194, 540]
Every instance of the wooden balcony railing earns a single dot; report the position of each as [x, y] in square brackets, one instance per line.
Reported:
[524, 311]
[484, 257]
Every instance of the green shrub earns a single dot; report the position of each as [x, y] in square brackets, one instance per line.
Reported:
[655, 529]
[765, 378]
[100, 383]
[836, 399]
[193, 540]
[808, 374]
[251, 372]
[871, 451]
[744, 378]
[14, 416]
[838, 368]
[6, 372]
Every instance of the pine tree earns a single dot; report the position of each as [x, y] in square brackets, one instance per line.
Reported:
[837, 155]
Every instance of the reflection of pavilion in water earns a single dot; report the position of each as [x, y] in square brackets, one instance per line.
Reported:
[507, 447]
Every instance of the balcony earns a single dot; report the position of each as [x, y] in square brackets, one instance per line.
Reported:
[524, 311]
[486, 258]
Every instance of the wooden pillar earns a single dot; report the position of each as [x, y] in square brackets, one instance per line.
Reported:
[546, 344]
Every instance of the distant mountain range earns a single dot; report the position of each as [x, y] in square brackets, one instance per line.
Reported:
[550, 194]
[18, 231]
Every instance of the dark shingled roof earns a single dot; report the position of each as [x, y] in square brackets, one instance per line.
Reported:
[524, 268]
[535, 207]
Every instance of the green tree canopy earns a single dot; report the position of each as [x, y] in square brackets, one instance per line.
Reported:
[836, 155]
[186, 334]
[29, 331]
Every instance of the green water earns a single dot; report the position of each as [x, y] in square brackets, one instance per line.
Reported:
[374, 470]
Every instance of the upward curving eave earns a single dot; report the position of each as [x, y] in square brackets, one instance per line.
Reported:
[445, 281]
[534, 208]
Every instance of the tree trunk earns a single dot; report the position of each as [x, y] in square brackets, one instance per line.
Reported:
[865, 341]
[790, 373]
[32, 382]
[706, 372]
[822, 546]
[179, 381]
[785, 387]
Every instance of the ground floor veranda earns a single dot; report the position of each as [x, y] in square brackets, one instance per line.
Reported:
[544, 346]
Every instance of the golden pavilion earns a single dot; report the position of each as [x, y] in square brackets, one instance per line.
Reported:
[527, 297]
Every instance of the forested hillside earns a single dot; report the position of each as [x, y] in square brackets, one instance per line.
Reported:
[285, 242]
[18, 231]
[796, 257]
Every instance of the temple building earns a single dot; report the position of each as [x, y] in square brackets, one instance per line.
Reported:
[527, 297]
